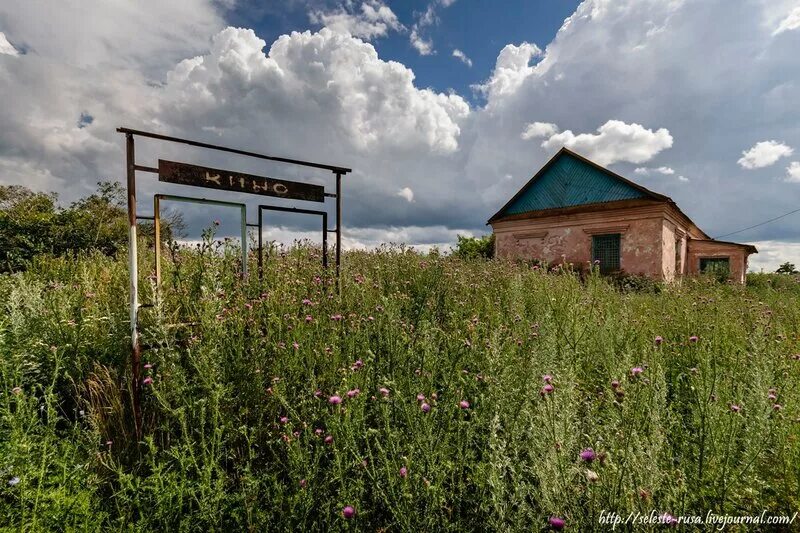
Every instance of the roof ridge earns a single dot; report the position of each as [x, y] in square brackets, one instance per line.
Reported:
[557, 156]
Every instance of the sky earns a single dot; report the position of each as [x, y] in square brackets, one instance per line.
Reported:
[442, 108]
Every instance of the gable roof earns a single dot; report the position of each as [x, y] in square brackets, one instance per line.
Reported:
[570, 180]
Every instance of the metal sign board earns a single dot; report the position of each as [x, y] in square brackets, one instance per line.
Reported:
[214, 178]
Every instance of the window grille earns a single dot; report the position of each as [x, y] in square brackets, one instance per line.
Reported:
[606, 251]
[715, 265]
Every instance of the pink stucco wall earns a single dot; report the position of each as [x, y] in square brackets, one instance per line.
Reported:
[656, 241]
[737, 256]
[568, 238]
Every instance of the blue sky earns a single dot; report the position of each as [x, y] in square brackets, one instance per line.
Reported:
[695, 99]
[478, 28]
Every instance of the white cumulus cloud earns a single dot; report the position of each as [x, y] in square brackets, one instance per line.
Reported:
[422, 45]
[793, 172]
[406, 193]
[535, 130]
[791, 22]
[764, 154]
[614, 141]
[6, 47]
[646, 171]
[512, 67]
[374, 19]
[461, 56]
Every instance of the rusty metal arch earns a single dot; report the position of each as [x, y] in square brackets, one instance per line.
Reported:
[133, 268]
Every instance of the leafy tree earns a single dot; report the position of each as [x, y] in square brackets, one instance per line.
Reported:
[32, 223]
[27, 220]
[474, 247]
[787, 268]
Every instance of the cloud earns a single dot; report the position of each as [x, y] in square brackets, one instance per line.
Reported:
[614, 141]
[406, 193]
[6, 47]
[461, 56]
[330, 97]
[646, 171]
[764, 154]
[374, 19]
[147, 34]
[793, 172]
[511, 69]
[535, 130]
[423, 46]
[791, 22]
[771, 254]
[425, 20]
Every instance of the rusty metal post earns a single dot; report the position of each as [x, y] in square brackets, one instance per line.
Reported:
[244, 241]
[325, 241]
[157, 231]
[338, 226]
[260, 246]
[133, 271]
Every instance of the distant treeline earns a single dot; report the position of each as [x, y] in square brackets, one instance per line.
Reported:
[33, 223]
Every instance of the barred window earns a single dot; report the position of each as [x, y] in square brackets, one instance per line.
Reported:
[606, 252]
[715, 266]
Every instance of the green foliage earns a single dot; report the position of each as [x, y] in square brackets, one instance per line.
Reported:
[475, 247]
[235, 431]
[787, 268]
[32, 224]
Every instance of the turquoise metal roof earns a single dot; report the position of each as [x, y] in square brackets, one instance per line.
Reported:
[570, 181]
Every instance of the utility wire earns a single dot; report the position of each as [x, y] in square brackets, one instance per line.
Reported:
[759, 224]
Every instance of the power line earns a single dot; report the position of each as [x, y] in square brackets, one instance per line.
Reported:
[759, 224]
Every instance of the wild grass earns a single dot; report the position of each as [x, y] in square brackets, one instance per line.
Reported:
[240, 433]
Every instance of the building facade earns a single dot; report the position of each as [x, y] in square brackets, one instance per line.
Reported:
[575, 211]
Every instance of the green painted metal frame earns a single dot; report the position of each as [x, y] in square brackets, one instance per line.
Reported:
[188, 199]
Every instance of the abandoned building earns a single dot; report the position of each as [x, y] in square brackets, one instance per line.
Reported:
[575, 211]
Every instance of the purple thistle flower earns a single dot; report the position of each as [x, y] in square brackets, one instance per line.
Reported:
[588, 455]
[309, 318]
[659, 340]
[693, 339]
[735, 408]
[557, 523]
[335, 400]
[148, 366]
[403, 472]
[302, 483]
[464, 404]
[317, 393]
[318, 431]
[353, 393]
[328, 439]
[777, 407]
[348, 512]
[425, 407]
[547, 378]
[615, 384]
[147, 381]
[284, 420]
[635, 371]
[420, 397]
[384, 392]
[547, 389]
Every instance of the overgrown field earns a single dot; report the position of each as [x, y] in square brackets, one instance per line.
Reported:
[433, 395]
